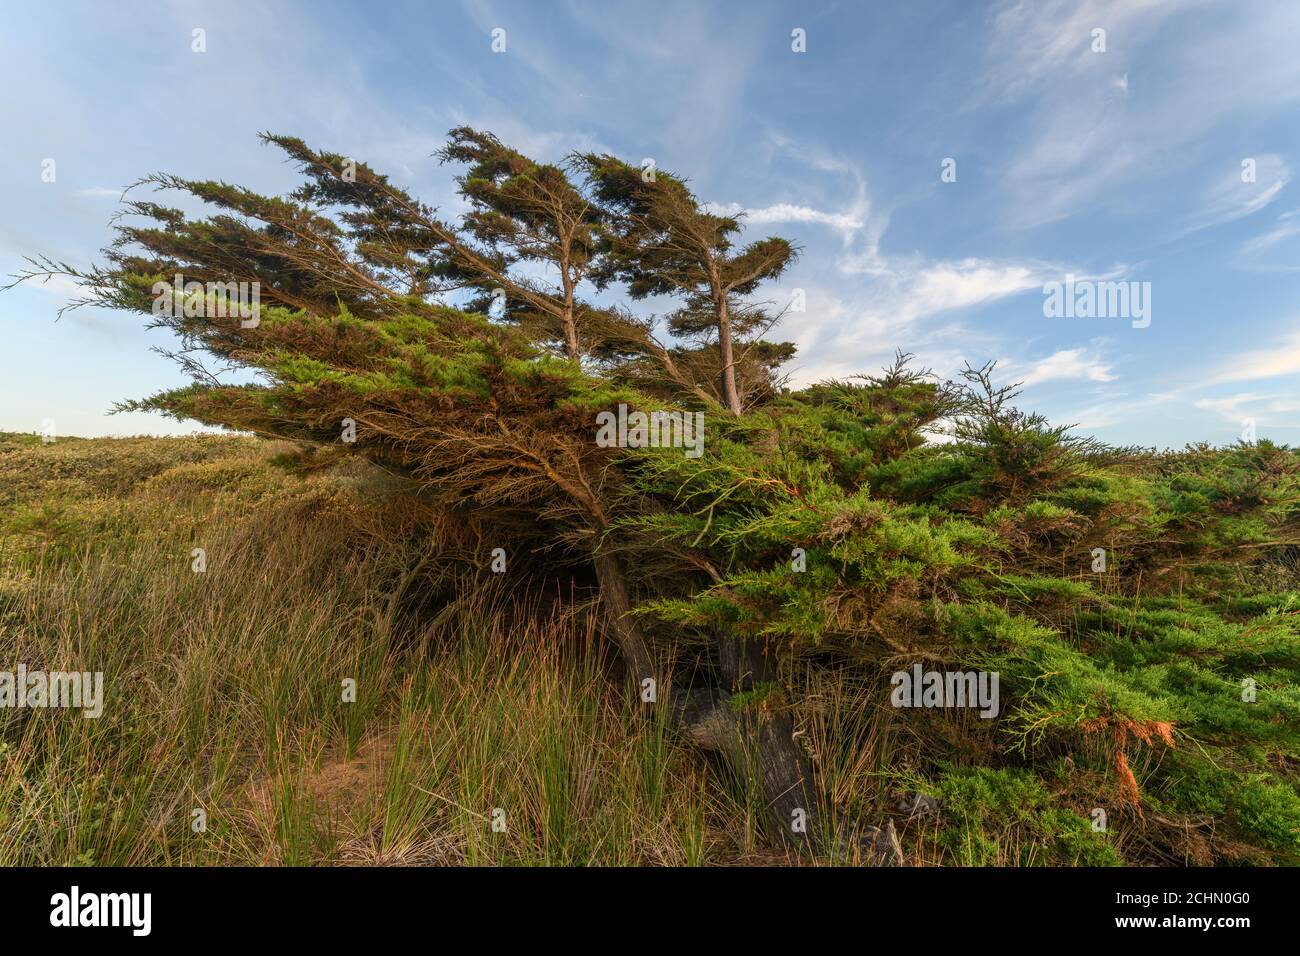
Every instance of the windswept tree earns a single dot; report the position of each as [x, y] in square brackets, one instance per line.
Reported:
[665, 242]
[487, 420]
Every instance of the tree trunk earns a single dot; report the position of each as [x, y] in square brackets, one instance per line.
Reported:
[755, 738]
[765, 751]
[571, 347]
[730, 394]
[770, 755]
[632, 643]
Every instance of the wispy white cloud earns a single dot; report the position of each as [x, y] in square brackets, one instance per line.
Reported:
[1288, 225]
[1279, 358]
[845, 223]
[1053, 39]
[1068, 364]
[850, 216]
[1255, 253]
[1231, 197]
[1229, 407]
[1084, 141]
[873, 299]
[913, 287]
[1262, 410]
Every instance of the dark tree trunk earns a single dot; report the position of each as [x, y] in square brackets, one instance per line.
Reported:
[769, 755]
[637, 657]
[765, 750]
[754, 736]
[726, 350]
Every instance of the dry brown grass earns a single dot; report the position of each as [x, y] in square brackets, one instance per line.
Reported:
[223, 688]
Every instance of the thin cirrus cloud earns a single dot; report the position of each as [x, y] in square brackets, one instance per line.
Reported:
[1238, 193]
[1251, 407]
[1079, 132]
[1279, 359]
[873, 294]
[1272, 251]
[869, 300]
[890, 302]
[1094, 126]
[1036, 44]
[914, 287]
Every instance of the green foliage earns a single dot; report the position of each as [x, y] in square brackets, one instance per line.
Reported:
[977, 555]
[1009, 817]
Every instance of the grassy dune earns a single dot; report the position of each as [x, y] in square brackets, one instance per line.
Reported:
[224, 689]
[226, 739]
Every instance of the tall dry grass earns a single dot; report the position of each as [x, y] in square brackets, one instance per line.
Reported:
[483, 733]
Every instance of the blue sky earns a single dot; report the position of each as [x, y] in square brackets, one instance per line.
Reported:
[1124, 165]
